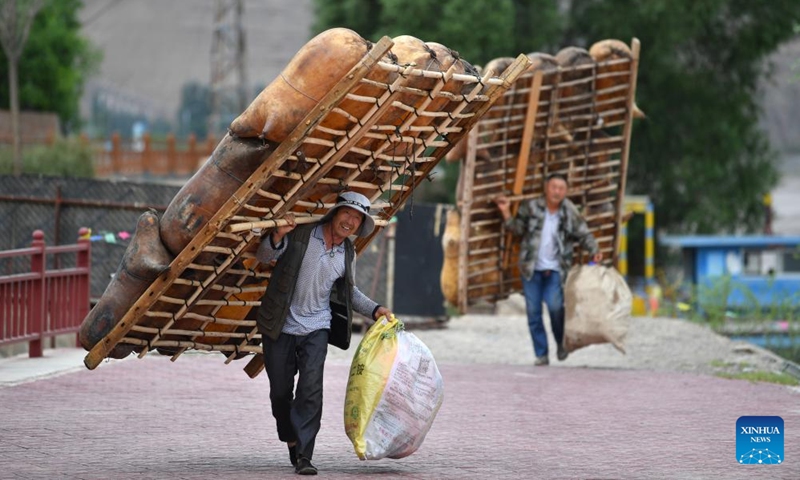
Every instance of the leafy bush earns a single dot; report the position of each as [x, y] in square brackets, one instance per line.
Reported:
[65, 157]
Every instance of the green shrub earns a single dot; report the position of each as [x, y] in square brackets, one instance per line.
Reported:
[65, 157]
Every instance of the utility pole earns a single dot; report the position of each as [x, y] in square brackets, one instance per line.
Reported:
[229, 93]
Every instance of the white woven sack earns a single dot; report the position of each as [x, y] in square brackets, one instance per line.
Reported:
[598, 306]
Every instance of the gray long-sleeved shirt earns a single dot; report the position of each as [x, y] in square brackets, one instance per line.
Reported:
[310, 306]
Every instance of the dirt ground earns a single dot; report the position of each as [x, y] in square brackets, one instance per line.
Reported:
[660, 344]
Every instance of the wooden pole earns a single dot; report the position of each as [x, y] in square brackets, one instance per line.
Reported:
[147, 163]
[299, 220]
[170, 166]
[522, 161]
[527, 135]
[116, 154]
[466, 211]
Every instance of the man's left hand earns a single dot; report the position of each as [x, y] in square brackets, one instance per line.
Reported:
[382, 311]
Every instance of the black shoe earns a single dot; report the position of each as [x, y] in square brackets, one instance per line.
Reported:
[293, 454]
[542, 361]
[304, 466]
[562, 353]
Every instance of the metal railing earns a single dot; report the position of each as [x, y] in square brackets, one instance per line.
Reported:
[41, 302]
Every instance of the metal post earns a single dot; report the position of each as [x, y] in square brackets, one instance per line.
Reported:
[83, 291]
[622, 258]
[649, 245]
[36, 295]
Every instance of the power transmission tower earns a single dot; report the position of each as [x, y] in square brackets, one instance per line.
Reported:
[229, 95]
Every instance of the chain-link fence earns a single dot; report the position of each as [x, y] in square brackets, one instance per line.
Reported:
[61, 206]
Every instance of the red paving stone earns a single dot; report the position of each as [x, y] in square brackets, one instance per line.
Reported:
[200, 419]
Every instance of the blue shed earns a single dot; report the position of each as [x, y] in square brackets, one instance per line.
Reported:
[766, 266]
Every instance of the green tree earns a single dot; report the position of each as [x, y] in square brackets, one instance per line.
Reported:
[538, 26]
[419, 18]
[16, 17]
[479, 31]
[699, 154]
[363, 16]
[478, 34]
[75, 159]
[55, 64]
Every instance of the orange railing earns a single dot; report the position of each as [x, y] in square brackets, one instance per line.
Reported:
[152, 158]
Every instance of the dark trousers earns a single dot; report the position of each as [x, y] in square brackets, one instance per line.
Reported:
[297, 414]
[545, 285]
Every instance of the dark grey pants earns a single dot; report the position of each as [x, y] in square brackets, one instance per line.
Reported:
[297, 415]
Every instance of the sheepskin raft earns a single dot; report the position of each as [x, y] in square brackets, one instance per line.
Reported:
[569, 113]
[345, 114]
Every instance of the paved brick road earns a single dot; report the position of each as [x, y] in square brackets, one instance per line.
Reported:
[200, 419]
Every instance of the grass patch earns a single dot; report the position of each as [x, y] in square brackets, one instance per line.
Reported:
[66, 158]
[779, 378]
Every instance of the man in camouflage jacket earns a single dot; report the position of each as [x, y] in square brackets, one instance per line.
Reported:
[549, 228]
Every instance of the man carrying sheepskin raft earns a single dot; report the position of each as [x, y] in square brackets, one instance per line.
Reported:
[349, 129]
[567, 123]
[295, 315]
[549, 226]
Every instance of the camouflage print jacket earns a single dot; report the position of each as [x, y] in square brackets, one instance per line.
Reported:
[571, 228]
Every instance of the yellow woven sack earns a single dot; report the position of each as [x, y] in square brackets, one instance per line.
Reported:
[393, 393]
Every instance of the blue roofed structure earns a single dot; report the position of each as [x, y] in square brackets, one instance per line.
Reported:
[764, 270]
[712, 241]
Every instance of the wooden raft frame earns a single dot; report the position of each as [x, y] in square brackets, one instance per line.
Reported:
[549, 121]
[183, 308]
